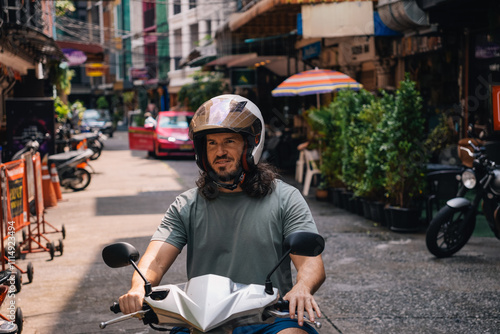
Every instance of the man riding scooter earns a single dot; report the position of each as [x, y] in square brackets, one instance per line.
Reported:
[235, 221]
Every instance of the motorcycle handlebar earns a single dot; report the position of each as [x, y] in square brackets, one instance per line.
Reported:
[282, 305]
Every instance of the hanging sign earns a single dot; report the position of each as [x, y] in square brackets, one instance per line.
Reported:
[94, 70]
[74, 57]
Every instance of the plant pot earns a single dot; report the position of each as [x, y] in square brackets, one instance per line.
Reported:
[321, 194]
[358, 202]
[404, 219]
[346, 200]
[366, 209]
[337, 197]
[351, 203]
[378, 213]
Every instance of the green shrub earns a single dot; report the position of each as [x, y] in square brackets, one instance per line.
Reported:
[372, 183]
[404, 149]
[351, 104]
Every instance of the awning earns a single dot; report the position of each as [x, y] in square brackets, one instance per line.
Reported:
[199, 56]
[200, 61]
[277, 64]
[85, 47]
[230, 60]
[276, 16]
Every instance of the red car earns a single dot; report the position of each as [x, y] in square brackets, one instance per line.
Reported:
[168, 137]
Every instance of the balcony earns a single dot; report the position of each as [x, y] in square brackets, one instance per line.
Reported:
[23, 13]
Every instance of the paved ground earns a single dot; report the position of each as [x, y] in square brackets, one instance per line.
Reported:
[378, 281]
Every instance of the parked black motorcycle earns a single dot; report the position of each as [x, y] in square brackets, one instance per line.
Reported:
[454, 224]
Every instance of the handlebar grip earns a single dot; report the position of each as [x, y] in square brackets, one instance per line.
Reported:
[115, 308]
[282, 305]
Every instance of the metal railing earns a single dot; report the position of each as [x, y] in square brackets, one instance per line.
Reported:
[23, 13]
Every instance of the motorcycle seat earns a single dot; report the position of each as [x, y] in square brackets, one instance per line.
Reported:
[82, 136]
[62, 157]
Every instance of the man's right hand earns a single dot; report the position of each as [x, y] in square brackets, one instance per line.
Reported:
[132, 301]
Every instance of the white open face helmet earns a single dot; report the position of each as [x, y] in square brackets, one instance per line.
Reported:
[229, 113]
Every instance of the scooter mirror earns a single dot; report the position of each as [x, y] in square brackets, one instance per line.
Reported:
[119, 255]
[305, 244]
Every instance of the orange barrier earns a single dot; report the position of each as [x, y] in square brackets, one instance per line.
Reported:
[49, 194]
[15, 215]
[16, 201]
[55, 181]
[40, 228]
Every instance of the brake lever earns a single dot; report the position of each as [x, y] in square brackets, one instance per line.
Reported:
[280, 314]
[138, 314]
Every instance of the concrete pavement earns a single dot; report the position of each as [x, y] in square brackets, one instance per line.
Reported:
[378, 281]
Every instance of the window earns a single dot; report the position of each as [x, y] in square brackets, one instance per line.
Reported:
[194, 35]
[192, 4]
[177, 6]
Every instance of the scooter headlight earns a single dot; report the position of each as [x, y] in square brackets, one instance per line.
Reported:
[469, 179]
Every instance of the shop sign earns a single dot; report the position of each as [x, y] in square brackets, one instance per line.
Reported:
[94, 70]
[139, 73]
[75, 57]
[495, 91]
[487, 51]
[311, 51]
[242, 78]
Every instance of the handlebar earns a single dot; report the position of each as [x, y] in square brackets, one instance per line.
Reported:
[280, 314]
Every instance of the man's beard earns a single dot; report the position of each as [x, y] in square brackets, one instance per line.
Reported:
[225, 176]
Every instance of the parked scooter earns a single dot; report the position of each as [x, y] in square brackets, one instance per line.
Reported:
[71, 168]
[95, 142]
[210, 302]
[454, 224]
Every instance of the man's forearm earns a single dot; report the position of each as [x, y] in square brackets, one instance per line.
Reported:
[154, 264]
[310, 271]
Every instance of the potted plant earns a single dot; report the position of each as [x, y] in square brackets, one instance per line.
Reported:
[372, 184]
[324, 122]
[354, 138]
[322, 191]
[405, 158]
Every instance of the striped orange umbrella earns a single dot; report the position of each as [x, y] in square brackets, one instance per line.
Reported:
[315, 81]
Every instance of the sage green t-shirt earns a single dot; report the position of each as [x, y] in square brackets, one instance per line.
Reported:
[235, 235]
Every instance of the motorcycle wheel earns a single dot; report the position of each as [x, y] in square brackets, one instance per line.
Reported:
[97, 153]
[80, 180]
[448, 232]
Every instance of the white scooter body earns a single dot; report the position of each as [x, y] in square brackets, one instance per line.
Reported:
[211, 301]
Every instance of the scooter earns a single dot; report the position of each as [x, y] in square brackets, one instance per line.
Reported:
[210, 303]
[94, 140]
[454, 224]
[71, 168]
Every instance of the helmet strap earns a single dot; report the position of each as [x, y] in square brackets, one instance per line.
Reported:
[237, 180]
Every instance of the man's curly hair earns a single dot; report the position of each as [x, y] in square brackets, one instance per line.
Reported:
[257, 183]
